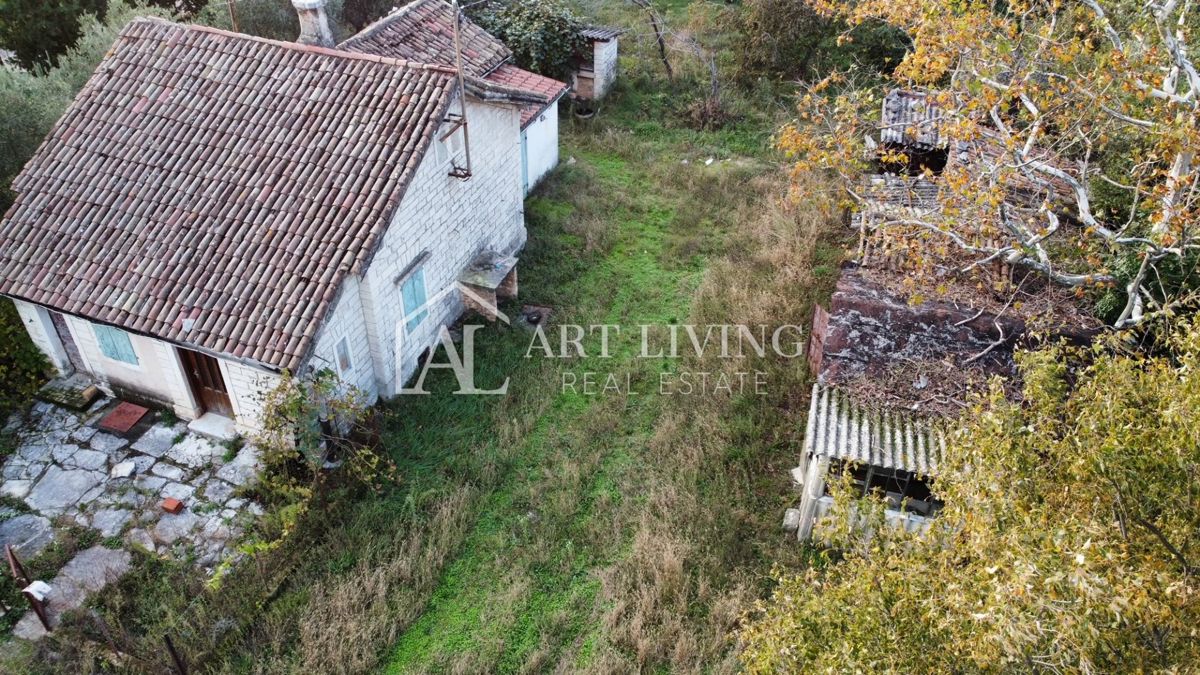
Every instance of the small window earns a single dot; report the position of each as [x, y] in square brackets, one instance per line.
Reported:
[114, 343]
[413, 295]
[344, 364]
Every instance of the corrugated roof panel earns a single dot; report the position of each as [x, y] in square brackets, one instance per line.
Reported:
[840, 428]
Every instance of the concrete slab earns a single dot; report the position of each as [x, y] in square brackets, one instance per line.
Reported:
[214, 426]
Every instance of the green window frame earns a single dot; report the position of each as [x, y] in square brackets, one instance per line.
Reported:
[412, 293]
[115, 344]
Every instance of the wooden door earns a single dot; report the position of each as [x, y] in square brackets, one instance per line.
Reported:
[68, 343]
[204, 374]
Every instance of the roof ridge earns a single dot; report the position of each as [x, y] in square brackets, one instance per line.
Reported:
[386, 19]
[296, 46]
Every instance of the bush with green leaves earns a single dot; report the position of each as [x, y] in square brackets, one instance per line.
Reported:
[23, 368]
[543, 34]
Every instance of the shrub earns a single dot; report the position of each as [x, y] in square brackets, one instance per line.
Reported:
[22, 366]
[543, 34]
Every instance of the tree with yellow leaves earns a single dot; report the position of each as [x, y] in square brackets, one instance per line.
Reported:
[1068, 133]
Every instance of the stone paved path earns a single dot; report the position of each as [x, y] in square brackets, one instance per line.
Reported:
[65, 468]
[67, 471]
[86, 573]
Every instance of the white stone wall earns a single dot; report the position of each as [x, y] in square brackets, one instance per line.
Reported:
[604, 56]
[42, 333]
[451, 220]
[248, 387]
[157, 375]
[346, 320]
[541, 146]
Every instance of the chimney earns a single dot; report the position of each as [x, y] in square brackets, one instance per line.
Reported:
[314, 24]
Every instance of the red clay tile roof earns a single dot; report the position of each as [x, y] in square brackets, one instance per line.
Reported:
[512, 76]
[423, 31]
[220, 178]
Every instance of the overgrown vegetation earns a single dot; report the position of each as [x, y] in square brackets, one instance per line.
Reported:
[542, 34]
[1067, 543]
[23, 368]
[550, 528]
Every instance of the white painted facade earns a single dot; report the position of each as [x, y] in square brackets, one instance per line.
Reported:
[157, 377]
[539, 142]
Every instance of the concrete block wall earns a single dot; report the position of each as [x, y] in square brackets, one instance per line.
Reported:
[347, 320]
[452, 221]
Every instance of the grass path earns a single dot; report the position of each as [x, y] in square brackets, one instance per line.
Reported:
[525, 572]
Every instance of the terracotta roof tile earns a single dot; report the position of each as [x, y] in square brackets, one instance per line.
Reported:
[423, 31]
[231, 180]
[512, 76]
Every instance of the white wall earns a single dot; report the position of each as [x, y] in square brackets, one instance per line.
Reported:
[541, 146]
[605, 65]
[158, 376]
[346, 320]
[453, 221]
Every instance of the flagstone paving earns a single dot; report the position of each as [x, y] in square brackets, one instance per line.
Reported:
[64, 468]
[66, 471]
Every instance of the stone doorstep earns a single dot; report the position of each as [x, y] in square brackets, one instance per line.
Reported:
[214, 426]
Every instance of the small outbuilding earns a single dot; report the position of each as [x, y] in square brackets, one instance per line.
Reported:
[597, 69]
[890, 453]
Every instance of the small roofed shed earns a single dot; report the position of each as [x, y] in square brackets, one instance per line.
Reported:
[597, 69]
[911, 119]
[890, 453]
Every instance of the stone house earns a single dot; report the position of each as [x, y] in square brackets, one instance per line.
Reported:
[214, 209]
[423, 31]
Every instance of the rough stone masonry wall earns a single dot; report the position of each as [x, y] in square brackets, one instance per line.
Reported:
[452, 221]
[917, 356]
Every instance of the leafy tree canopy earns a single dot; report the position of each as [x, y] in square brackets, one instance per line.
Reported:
[1068, 542]
[39, 31]
[543, 34]
[1071, 129]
